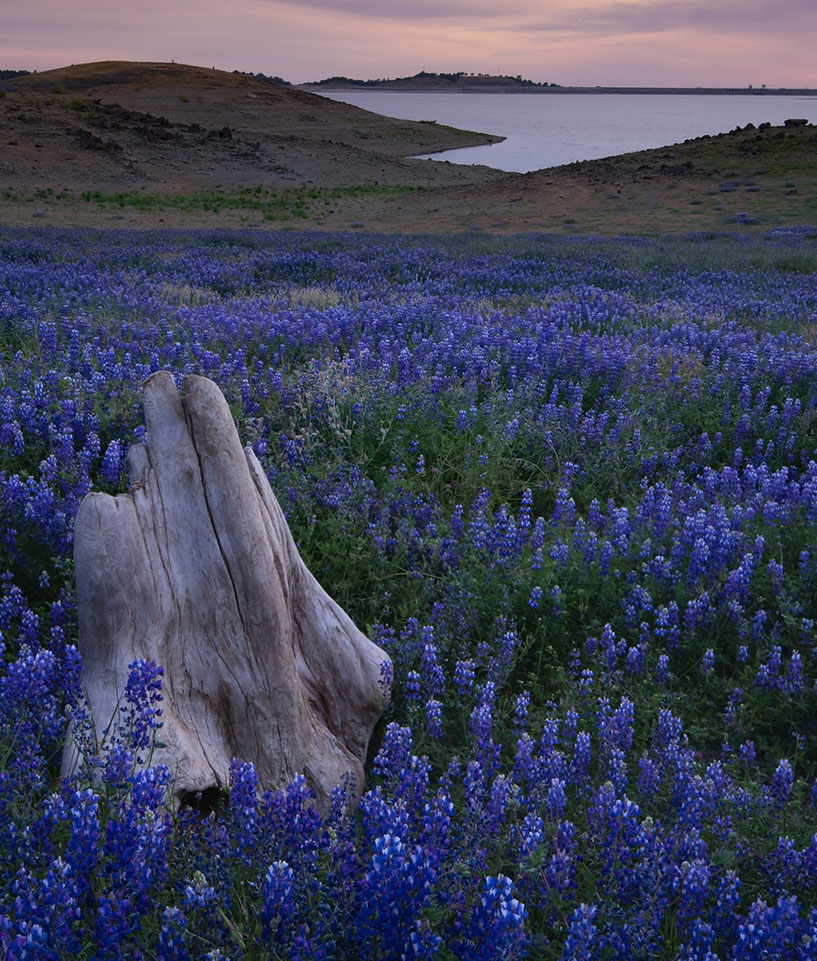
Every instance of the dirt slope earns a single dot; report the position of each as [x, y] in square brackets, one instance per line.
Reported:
[118, 125]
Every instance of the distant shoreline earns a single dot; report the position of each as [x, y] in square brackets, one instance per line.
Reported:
[553, 90]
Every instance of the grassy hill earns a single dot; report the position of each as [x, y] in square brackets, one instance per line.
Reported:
[145, 144]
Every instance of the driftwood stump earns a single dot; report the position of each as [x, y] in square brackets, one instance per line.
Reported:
[195, 568]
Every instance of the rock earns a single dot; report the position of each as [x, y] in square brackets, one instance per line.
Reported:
[195, 568]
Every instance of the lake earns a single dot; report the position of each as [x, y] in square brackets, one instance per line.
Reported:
[545, 130]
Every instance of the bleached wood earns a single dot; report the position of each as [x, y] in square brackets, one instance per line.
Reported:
[195, 567]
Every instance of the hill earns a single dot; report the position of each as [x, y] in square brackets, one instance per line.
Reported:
[461, 82]
[120, 126]
[424, 81]
[749, 180]
[174, 145]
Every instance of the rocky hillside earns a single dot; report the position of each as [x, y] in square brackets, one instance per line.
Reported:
[119, 125]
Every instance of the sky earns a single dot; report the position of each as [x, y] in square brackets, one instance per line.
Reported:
[731, 43]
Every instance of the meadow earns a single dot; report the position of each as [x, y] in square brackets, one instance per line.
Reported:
[568, 484]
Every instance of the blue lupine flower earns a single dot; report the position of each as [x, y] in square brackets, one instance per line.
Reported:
[276, 904]
[434, 718]
[782, 782]
[581, 936]
[171, 946]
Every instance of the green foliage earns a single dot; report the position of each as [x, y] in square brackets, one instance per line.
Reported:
[270, 204]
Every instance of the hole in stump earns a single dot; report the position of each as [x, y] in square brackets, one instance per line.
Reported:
[205, 802]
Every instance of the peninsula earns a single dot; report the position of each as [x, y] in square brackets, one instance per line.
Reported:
[461, 82]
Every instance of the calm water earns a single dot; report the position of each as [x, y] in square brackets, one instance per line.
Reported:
[545, 130]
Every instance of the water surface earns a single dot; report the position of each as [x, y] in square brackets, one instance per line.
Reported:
[545, 130]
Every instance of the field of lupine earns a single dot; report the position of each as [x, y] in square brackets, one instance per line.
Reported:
[569, 485]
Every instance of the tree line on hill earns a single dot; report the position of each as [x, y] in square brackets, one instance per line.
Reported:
[262, 76]
[458, 77]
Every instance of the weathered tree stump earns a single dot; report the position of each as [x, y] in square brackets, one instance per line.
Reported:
[195, 568]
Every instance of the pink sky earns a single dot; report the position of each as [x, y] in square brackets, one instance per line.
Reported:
[615, 42]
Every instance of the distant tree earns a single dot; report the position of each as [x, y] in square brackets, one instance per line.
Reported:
[344, 80]
[8, 74]
[427, 75]
[262, 76]
[279, 80]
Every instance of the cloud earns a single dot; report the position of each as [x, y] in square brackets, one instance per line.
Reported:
[625, 17]
[732, 16]
[417, 10]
